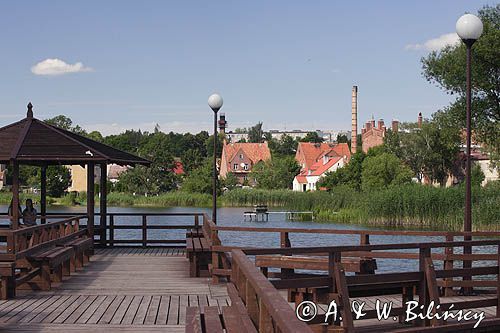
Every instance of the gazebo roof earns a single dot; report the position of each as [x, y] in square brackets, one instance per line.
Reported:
[32, 141]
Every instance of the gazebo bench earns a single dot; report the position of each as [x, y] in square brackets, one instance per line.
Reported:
[53, 263]
[82, 251]
[198, 253]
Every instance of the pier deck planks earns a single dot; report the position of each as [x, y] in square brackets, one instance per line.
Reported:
[123, 289]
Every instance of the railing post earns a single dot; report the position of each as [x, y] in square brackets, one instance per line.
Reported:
[144, 231]
[196, 222]
[285, 243]
[111, 230]
[423, 290]
[498, 282]
[448, 264]
[252, 303]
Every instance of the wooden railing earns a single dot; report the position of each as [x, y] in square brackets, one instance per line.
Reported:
[221, 266]
[253, 286]
[27, 240]
[267, 309]
[108, 234]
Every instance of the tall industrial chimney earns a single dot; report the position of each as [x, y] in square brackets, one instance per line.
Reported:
[420, 119]
[354, 111]
[222, 123]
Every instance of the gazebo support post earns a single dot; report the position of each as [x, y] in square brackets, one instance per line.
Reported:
[103, 203]
[15, 195]
[90, 199]
[43, 193]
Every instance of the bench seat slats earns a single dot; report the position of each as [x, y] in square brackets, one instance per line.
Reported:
[212, 320]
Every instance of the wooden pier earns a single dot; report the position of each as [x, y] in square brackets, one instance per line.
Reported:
[198, 284]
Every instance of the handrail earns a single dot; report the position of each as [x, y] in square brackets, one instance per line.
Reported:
[264, 303]
[336, 285]
[377, 247]
[361, 232]
[23, 241]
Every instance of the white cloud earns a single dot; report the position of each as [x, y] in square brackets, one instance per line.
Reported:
[58, 67]
[436, 44]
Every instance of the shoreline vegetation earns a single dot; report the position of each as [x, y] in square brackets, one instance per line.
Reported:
[411, 205]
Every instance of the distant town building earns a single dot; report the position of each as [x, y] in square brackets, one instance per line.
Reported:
[2, 175]
[79, 177]
[316, 160]
[236, 137]
[240, 158]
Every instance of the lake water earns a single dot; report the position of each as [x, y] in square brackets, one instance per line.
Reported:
[234, 217]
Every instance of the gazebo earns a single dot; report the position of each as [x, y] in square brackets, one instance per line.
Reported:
[33, 142]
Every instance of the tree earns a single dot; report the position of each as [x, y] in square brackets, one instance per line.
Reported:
[384, 170]
[285, 146]
[200, 179]
[429, 151]
[277, 173]
[65, 123]
[58, 180]
[349, 175]
[446, 69]
[255, 133]
[477, 175]
[312, 137]
[230, 182]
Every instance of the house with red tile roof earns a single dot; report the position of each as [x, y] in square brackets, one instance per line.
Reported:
[240, 158]
[316, 160]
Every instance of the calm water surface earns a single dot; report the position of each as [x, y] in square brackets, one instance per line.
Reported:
[234, 217]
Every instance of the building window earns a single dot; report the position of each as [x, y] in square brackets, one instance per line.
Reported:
[241, 156]
[245, 178]
[245, 167]
[235, 166]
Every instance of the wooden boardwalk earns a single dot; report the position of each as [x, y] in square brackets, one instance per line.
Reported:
[123, 289]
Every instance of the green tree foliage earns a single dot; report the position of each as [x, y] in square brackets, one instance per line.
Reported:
[256, 133]
[58, 180]
[200, 179]
[429, 151]
[277, 173]
[446, 68]
[383, 170]
[209, 144]
[285, 146]
[312, 137]
[477, 175]
[230, 182]
[349, 175]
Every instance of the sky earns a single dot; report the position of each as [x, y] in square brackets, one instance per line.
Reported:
[116, 65]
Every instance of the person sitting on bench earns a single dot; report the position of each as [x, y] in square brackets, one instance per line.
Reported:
[10, 211]
[29, 214]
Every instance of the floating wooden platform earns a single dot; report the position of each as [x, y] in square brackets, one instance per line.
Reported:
[123, 289]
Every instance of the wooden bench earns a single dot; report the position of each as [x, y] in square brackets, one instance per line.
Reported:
[233, 319]
[199, 255]
[196, 232]
[288, 264]
[53, 263]
[7, 280]
[82, 251]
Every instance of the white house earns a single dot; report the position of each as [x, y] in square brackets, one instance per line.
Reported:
[308, 178]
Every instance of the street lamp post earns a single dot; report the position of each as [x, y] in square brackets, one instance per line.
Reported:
[215, 103]
[469, 28]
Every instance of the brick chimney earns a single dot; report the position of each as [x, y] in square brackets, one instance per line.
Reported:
[380, 124]
[222, 123]
[395, 126]
[368, 125]
[354, 114]
[419, 121]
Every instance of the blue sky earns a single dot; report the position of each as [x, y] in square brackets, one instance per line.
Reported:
[290, 64]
